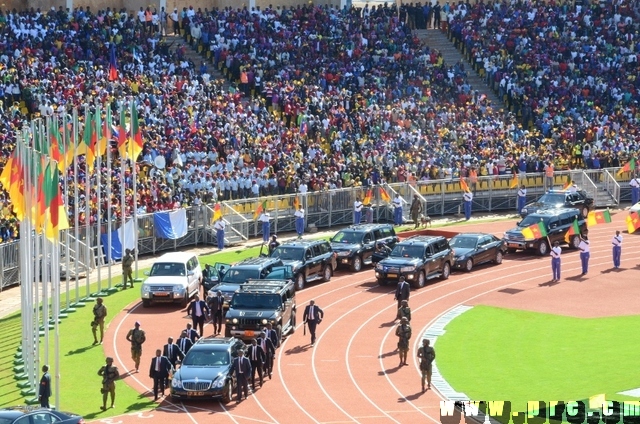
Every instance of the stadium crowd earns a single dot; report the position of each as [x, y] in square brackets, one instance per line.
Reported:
[323, 98]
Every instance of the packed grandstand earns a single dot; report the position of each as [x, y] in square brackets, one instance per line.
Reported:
[318, 98]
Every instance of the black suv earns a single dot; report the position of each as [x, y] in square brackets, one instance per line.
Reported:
[417, 258]
[310, 259]
[355, 245]
[205, 372]
[260, 268]
[560, 199]
[556, 222]
[259, 302]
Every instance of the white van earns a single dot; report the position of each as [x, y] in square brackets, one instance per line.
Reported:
[174, 277]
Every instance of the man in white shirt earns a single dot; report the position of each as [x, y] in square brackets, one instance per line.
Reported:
[299, 214]
[522, 197]
[556, 251]
[219, 226]
[357, 211]
[635, 190]
[617, 249]
[467, 199]
[266, 225]
[584, 253]
[397, 210]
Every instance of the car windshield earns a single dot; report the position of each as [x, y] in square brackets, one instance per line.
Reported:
[464, 242]
[288, 253]
[203, 358]
[168, 269]
[240, 275]
[347, 237]
[401, 251]
[255, 301]
[552, 198]
[531, 220]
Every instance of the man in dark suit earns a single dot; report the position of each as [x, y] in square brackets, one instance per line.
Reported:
[44, 391]
[269, 352]
[216, 305]
[313, 316]
[173, 353]
[272, 335]
[159, 371]
[198, 310]
[192, 334]
[256, 357]
[242, 367]
[402, 292]
[184, 342]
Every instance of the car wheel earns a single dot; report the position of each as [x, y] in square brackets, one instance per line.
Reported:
[184, 302]
[146, 303]
[383, 282]
[356, 265]
[575, 241]
[227, 394]
[326, 273]
[468, 265]
[227, 331]
[420, 281]
[446, 271]
[300, 281]
[511, 250]
[543, 248]
[293, 324]
[279, 334]
[585, 211]
[499, 257]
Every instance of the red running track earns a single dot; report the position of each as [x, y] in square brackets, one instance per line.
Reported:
[352, 373]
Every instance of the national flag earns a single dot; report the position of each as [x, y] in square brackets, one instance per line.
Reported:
[259, 209]
[574, 229]
[367, 197]
[535, 231]
[135, 142]
[5, 176]
[599, 217]
[464, 186]
[217, 212]
[384, 195]
[514, 181]
[633, 222]
[113, 66]
[55, 137]
[121, 239]
[296, 203]
[628, 167]
[136, 56]
[16, 184]
[69, 140]
[171, 225]
[87, 146]
[567, 185]
[106, 132]
[122, 133]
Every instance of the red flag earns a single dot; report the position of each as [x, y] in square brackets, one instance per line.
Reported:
[384, 195]
[463, 185]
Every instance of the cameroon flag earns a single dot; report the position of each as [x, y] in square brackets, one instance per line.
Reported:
[633, 222]
[535, 231]
[463, 185]
[217, 212]
[367, 197]
[261, 208]
[574, 229]
[384, 195]
[599, 217]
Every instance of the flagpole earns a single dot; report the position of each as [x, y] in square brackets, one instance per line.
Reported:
[135, 193]
[76, 204]
[98, 168]
[56, 313]
[109, 217]
[123, 193]
[45, 260]
[64, 174]
[87, 202]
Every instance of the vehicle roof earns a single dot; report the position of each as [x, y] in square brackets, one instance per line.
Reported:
[175, 257]
[366, 227]
[215, 341]
[302, 243]
[554, 212]
[472, 235]
[560, 191]
[258, 260]
[420, 240]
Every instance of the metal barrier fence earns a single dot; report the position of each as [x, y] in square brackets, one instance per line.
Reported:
[328, 209]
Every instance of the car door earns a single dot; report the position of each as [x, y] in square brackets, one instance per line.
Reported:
[482, 247]
[191, 276]
[368, 245]
[554, 229]
[432, 262]
[284, 272]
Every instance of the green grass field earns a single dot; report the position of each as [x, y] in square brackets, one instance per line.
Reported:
[502, 354]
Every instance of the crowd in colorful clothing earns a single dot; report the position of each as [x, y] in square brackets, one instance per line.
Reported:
[326, 98]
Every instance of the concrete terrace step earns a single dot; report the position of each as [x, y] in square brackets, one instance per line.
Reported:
[438, 40]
